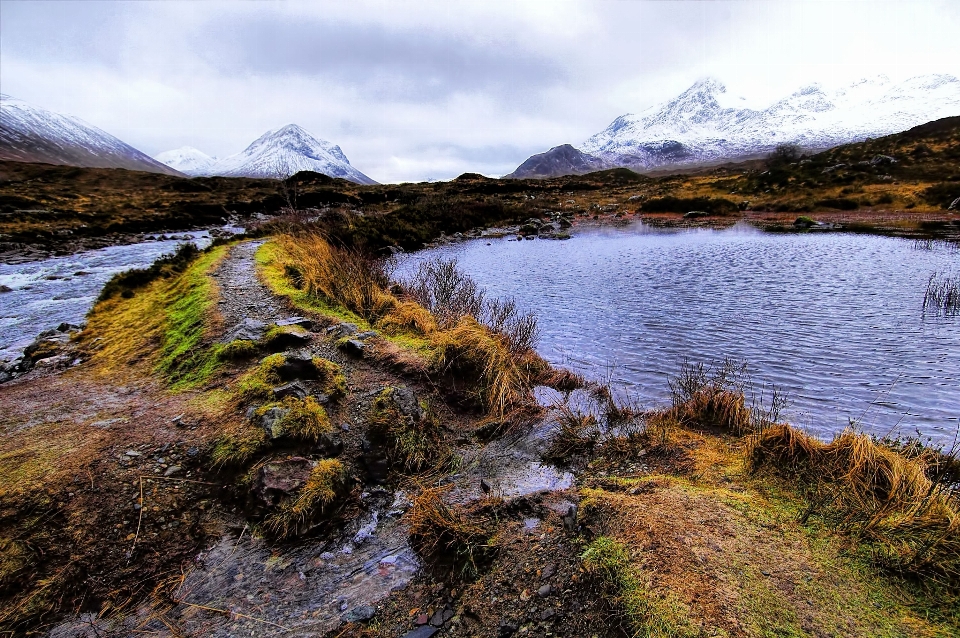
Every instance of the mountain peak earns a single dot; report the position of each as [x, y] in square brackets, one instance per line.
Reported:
[708, 85]
[277, 153]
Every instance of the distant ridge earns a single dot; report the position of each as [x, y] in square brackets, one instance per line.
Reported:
[559, 160]
[30, 133]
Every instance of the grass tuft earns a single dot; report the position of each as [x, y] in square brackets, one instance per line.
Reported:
[446, 535]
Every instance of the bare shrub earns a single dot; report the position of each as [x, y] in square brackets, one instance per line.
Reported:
[447, 292]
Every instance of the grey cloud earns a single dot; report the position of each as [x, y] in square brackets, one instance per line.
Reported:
[407, 65]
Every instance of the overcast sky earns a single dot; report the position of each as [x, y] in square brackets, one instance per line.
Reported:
[422, 90]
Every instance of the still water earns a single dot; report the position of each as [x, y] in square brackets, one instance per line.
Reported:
[62, 289]
[834, 320]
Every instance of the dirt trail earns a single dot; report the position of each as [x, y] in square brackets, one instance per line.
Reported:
[242, 295]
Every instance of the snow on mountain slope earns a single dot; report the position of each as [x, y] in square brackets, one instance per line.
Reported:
[187, 160]
[275, 154]
[29, 133]
[699, 126]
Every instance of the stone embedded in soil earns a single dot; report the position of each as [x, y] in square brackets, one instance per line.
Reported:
[280, 478]
[544, 591]
[441, 617]
[353, 347]
[297, 365]
[507, 629]
[293, 389]
[173, 469]
[270, 422]
[548, 571]
[247, 330]
[302, 322]
[421, 632]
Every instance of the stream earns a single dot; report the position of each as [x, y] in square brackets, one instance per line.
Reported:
[44, 294]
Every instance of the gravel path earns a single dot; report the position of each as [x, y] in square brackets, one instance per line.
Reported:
[242, 296]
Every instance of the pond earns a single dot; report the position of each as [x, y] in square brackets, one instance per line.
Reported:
[835, 321]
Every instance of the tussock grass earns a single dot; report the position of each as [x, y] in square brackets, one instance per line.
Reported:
[447, 535]
[576, 434]
[339, 276]
[645, 613]
[872, 491]
[499, 379]
[326, 483]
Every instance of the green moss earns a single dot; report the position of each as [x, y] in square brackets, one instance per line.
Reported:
[648, 614]
[258, 384]
[184, 359]
[237, 350]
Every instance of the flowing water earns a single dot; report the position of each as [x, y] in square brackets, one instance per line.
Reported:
[62, 289]
[834, 320]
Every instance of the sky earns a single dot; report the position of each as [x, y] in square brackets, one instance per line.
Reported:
[413, 91]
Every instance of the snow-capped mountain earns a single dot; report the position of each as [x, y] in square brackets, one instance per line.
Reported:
[279, 153]
[29, 133]
[705, 125]
[187, 160]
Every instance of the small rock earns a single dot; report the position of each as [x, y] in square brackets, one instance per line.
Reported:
[570, 519]
[131, 453]
[544, 591]
[5, 289]
[421, 632]
[507, 629]
[525, 595]
[549, 571]
[280, 478]
[353, 347]
[173, 469]
[270, 422]
[343, 330]
[441, 617]
[421, 620]
[247, 330]
[360, 614]
[366, 335]
[547, 613]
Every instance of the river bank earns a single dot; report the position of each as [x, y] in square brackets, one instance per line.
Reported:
[246, 448]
